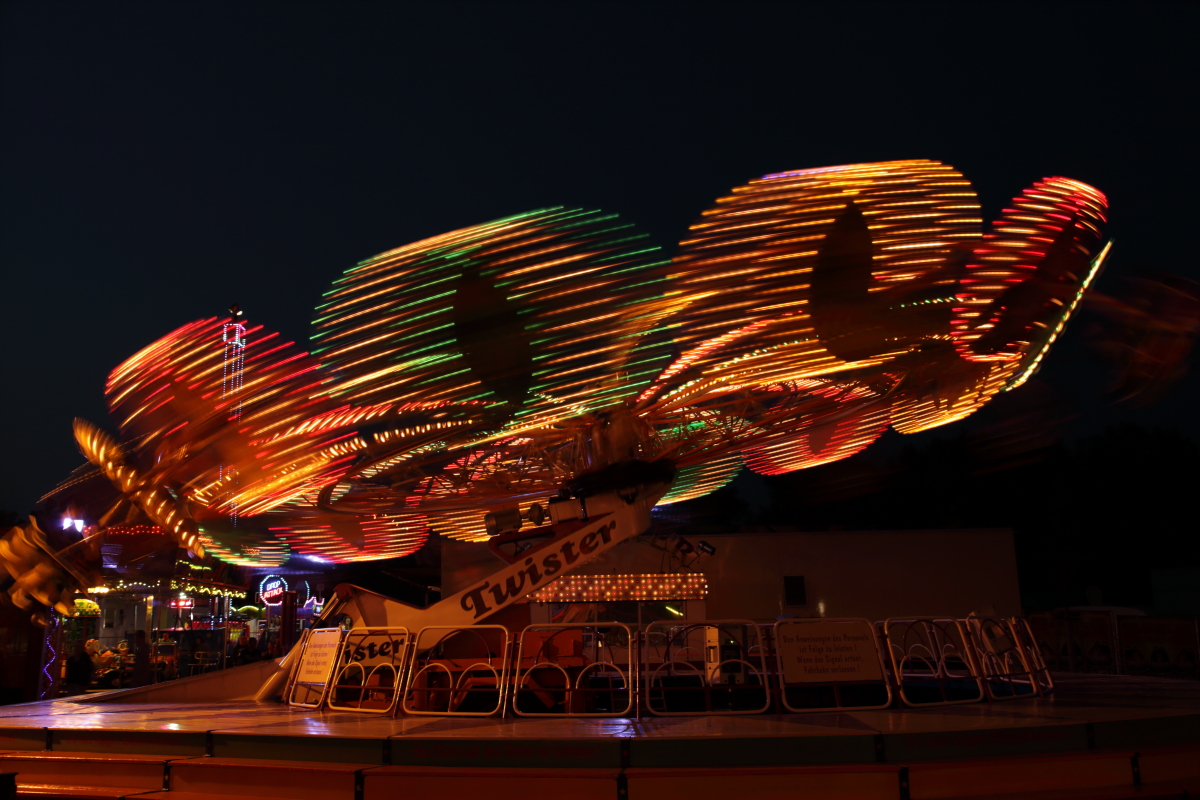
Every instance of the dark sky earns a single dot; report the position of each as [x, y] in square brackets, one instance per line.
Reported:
[162, 160]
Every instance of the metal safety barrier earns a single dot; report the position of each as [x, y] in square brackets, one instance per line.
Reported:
[575, 670]
[290, 684]
[1003, 663]
[371, 670]
[1025, 639]
[458, 671]
[702, 668]
[705, 668]
[931, 662]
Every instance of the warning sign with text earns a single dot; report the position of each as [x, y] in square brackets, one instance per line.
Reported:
[320, 655]
[316, 666]
[820, 651]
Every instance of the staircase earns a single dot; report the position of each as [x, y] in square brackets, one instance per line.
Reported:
[1091, 775]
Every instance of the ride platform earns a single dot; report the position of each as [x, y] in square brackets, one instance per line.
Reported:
[1096, 737]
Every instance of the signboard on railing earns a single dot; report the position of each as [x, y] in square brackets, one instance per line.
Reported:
[317, 661]
[824, 652]
[320, 655]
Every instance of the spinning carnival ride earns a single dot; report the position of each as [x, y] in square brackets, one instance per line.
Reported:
[555, 369]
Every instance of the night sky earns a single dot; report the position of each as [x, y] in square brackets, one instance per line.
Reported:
[163, 160]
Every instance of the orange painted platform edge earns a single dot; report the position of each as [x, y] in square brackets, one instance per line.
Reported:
[68, 755]
[263, 763]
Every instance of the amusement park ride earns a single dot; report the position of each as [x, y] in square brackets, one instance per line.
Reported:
[541, 382]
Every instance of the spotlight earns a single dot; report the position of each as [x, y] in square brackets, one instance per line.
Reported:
[502, 521]
[706, 548]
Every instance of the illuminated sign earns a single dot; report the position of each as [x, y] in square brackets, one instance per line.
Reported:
[593, 588]
[182, 602]
[271, 590]
[86, 608]
[133, 530]
[205, 587]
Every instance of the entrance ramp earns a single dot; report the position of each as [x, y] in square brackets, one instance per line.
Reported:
[222, 686]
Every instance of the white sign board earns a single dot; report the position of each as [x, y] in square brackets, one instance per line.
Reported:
[316, 666]
[820, 651]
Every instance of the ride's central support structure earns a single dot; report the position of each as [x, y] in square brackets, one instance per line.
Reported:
[584, 529]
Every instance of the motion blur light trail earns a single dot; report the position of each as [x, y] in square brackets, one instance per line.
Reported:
[493, 366]
[1148, 332]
